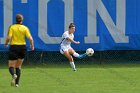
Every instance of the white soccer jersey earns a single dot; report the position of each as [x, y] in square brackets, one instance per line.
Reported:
[64, 41]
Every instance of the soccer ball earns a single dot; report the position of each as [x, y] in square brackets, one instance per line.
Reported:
[89, 51]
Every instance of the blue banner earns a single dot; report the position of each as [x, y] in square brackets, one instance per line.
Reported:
[100, 24]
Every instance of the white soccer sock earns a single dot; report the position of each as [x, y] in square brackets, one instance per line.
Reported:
[72, 65]
[76, 54]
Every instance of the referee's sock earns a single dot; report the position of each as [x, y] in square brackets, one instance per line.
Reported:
[18, 72]
[11, 70]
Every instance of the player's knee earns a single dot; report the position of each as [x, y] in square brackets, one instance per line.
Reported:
[70, 58]
[18, 66]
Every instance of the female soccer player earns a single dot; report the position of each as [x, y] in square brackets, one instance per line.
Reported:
[16, 36]
[66, 48]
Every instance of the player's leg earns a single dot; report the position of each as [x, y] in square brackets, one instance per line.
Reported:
[75, 54]
[11, 70]
[69, 57]
[66, 53]
[18, 70]
[11, 64]
[21, 55]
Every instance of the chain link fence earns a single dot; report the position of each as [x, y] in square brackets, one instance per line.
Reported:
[99, 57]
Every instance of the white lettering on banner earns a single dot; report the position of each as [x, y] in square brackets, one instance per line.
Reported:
[24, 1]
[92, 23]
[43, 35]
[8, 12]
[68, 13]
[117, 31]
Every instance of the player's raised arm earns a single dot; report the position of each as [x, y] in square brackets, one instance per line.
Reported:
[71, 40]
[70, 32]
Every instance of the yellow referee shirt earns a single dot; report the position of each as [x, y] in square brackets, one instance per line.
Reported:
[18, 33]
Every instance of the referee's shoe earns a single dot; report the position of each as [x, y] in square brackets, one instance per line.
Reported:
[13, 80]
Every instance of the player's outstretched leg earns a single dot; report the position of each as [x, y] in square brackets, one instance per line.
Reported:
[80, 56]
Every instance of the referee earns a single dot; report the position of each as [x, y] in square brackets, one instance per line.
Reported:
[16, 36]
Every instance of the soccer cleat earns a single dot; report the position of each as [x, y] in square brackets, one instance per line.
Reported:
[82, 56]
[74, 70]
[13, 80]
[17, 85]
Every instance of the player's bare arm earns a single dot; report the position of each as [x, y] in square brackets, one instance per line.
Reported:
[71, 40]
[31, 42]
[7, 41]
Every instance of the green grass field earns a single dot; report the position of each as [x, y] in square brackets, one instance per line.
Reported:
[109, 78]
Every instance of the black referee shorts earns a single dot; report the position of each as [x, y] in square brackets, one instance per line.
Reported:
[17, 52]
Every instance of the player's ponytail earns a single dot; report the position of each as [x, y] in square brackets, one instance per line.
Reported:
[71, 25]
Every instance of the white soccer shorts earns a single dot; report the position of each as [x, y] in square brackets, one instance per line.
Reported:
[64, 48]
